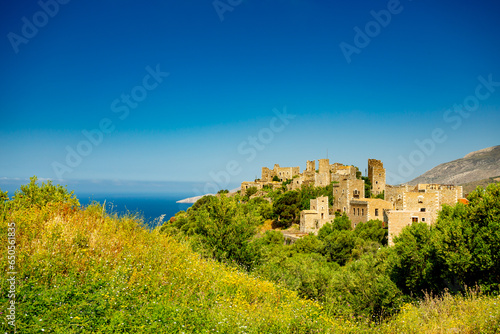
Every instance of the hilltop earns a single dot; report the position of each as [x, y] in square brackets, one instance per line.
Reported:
[475, 166]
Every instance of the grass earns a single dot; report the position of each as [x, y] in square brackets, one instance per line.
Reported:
[472, 313]
[82, 270]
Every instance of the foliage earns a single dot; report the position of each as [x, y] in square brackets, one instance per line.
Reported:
[462, 249]
[467, 240]
[83, 270]
[265, 209]
[363, 289]
[368, 186]
[306, 273]
[340, 223]
[221, 229]
[413, 261]
[308, 244]
[39, 195]
[86, 270]
[250, 192]
[307, 193]
[372, 230]
[286, 209]
[276, 178]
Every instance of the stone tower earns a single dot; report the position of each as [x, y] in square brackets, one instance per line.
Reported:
[311, 166]
[324, 166]
[376, 175]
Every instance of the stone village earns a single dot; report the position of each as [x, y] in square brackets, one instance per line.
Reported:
[401, 205]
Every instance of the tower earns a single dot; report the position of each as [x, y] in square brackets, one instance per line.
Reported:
[376, 175]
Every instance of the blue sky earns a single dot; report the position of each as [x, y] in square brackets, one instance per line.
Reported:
[190, 91]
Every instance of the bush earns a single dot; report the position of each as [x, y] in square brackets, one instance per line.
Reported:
[362, 289]
[35, 195]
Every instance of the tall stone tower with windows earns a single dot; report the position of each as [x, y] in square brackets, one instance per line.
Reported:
[376, 175]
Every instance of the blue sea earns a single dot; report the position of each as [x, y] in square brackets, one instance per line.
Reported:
[149, 206]
[149, 199]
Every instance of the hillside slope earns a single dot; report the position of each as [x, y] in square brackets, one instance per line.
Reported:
[478, 165]
[82, 270]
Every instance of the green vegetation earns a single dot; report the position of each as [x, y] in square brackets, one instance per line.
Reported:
[368, 186]
[215, 268]
[462, 249]
[288, 204]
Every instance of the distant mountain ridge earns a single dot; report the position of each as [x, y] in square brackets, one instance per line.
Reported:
[477, 165]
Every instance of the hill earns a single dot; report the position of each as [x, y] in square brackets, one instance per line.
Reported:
[475, 166]
[83, 270]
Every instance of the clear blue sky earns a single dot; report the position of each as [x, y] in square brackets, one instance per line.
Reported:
[184, 91]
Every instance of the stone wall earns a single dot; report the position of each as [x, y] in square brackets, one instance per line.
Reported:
[399, 219]
[267, 174]
[345, 191]
[318, 215]
[367, 209]
[394, 194]
[418, 203]
[324, 165]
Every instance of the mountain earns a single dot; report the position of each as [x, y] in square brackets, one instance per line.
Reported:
[470, 186]
[475, 166]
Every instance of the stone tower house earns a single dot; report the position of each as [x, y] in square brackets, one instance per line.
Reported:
[376, 175]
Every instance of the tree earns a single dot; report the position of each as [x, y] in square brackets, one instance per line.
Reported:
[225, 230]
[461, 249]
[265, 208]
[339, 245]
[286, 208]
[414, 266]
[372, 230]
[308, 244]
[306, 273]
[467, 240]
[250, 192]
[340, 223]
[368, 186]
[309, 192]
[33, 194]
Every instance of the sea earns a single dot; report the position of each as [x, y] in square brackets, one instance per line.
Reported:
[141, 198]
[150, 207]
